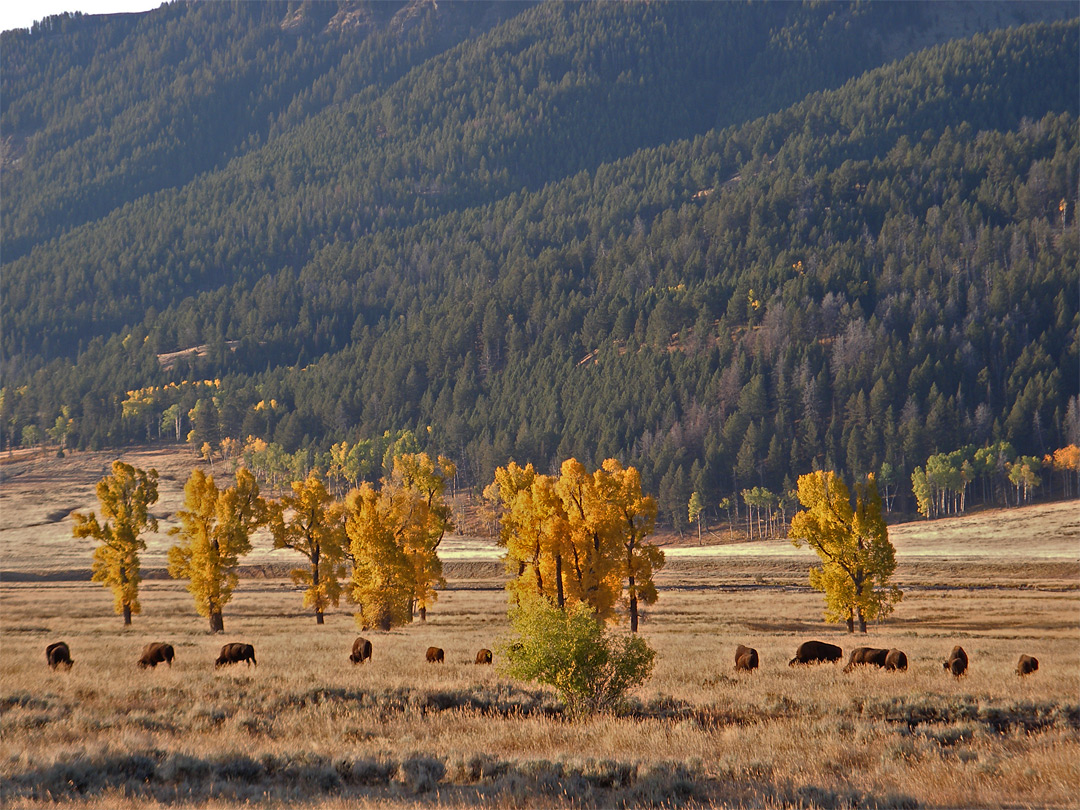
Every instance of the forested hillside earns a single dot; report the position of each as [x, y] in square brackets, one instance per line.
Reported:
[724, 243]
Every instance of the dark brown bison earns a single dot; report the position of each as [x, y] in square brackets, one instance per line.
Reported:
[235, 653]
[746, 658]
[361, 650]
[434, 655]
[1026, 665]
[483, 656]
[814, 652]
[957, 662]
[156, 653]
[866, 655]
[58, 653]
[896, 660]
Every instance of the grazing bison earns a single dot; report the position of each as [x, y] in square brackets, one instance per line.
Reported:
[434, 655]
[235, 653]
[746, 658]
[1026, 665]
[866, 655]
[957, 662]
[361, 650]
[896, 660]
[483, 656]
[156, 653]
[58, 653]
[814, 652]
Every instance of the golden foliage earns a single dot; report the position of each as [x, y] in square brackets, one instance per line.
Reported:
[394, 534]
[578, 537]
[214, 533]
[125, 498]
[310, 521]
[857, 559]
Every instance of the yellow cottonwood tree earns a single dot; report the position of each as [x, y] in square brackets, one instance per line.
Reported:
[533, 529]
[595, 574]
[125, 498]
[581, 537]
[310, 521]
[418, 483]
[394, 533]
[857, 559]
[635, 519]
[215, 532]
[380, 584]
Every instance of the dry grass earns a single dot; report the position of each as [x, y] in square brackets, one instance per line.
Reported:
[307, 727]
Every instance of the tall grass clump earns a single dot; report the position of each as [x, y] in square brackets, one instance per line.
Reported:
[593, 669]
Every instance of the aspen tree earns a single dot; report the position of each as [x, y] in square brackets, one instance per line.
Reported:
[215, 532]
[125, 498]
[694, 508]
[310, 521]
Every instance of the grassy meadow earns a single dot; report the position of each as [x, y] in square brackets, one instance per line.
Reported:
[306, 727]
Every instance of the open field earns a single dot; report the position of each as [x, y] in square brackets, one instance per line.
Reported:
[307, 727]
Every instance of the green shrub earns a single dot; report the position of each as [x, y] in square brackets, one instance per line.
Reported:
[592, 668]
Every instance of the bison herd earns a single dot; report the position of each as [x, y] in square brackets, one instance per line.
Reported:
[746, 658]
[891, 660]
[59, 654]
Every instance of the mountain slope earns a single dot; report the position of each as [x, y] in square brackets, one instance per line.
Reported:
[539, 257]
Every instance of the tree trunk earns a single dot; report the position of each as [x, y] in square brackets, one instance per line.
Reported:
[423, 614]
[315, 582]
[633, 606]
[560, 599]
[127, 615]
[217, 623]
[850, 623]
[862, 622]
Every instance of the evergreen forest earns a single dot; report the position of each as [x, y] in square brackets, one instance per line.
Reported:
[724, 243]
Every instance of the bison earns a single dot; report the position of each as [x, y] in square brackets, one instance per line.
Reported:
[1026, 665]
[361, 650]
[235, 653]
[483, 656]
[746, 658]
[957, 662]
[813, 652]
[866, 655]
[156, 653]
[58, 653]
[434, 655]
[896, 660]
